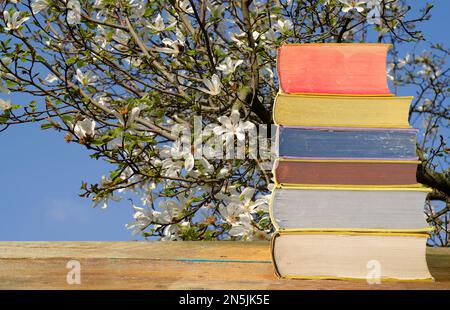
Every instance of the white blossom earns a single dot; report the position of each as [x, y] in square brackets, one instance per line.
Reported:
[85, 128]
[243, 228]
[283, 26]
[404, 61]
[374, 16]
[39, 5]
[350, 5]
[5, 105]
[158, 24]
[171, 46]
[428, 71]
[132, 115]
[389, 70]
[74, 12]
[143, 217]
[87, 78]
[179, 150]
[185, 6]
[51, 78]
[171, 168]
[213, 86]
[232, 126]
[170, 211]
[14, 21]
[228, 66]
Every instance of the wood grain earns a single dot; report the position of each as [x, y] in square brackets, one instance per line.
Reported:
[171, 265]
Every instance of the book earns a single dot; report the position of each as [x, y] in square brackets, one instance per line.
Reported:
[351, 256]
[345, 172]
[346, 143]
[328, 68]
[322, 208]
[345, 111]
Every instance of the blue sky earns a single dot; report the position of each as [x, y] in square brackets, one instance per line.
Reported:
[40, 177]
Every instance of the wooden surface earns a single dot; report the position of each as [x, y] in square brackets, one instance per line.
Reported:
[171, 265]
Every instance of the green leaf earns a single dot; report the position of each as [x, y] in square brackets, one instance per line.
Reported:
[46, 126]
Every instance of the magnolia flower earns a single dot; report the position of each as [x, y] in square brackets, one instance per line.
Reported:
[179, 150]
[229, 65]
[389, 70]
[350, 5]
[243, 228]
[85, 128]
[86, 79]
[231, 213]
[138, 7]
[74, 12]
[142, 219]
[6, 61]
[428, 71]
[170, 211]
[158, 25]
[39, 5]
[404, 61]
[103, 100]
[133, 61]
[283, 26]
[247, 203]
[122, 38]
[213, 86]
[238, 38]
[373, 3]
[132, 115]
[186, 7]
[374, 15]
[171, 47]
[14, 21]
[232, 126]
[51, 78]
[5, 105]
[171, 168]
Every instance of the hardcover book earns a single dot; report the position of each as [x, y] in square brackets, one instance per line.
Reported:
[345, 172]
[345, 143]
[329, 68]
[346, 255]
[323, 208]
[347, 111]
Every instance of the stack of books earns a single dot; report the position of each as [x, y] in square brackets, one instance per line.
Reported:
[346, 198]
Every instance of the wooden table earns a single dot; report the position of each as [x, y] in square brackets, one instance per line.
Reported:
[171, 265]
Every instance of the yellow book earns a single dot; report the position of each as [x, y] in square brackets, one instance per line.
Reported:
[347, 111]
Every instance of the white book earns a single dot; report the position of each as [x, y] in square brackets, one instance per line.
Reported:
[351, 209]
[374, 257]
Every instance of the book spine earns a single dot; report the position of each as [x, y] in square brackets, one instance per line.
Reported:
[346, 172]
[298, 142]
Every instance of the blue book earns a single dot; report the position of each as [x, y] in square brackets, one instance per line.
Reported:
[347, 143]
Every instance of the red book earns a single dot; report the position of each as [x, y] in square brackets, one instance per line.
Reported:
[346, 172]
[333, 68]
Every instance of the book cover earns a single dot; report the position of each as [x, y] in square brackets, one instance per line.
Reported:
[346, 111]
[345, 172]
[331, 68]
[322, 208]
[399, 257]
[345, 143]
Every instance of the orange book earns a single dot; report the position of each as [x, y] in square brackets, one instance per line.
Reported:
[333, 68]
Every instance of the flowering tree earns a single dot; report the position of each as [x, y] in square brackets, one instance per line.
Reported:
[123, 78]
